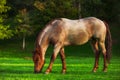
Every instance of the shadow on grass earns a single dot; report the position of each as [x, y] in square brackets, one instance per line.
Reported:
[10, 71]
[15, 72]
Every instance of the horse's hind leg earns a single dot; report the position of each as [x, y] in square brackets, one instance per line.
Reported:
[97, 53]
[56, 50]
[102, 45]
[62, 54]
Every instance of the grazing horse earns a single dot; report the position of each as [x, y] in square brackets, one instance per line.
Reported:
[62, 32]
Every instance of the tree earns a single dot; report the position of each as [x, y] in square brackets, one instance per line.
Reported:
[92, 8]
[77, 5]
[5, 31]
[23, 28]
[112, 10]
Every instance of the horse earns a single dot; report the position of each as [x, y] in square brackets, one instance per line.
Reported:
[64, 32]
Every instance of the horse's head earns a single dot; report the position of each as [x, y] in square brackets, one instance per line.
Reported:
[38, 61]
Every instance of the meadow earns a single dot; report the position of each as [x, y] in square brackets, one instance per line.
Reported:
[16, 64]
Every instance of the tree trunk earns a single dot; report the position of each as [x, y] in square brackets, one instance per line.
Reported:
[79, 9]
[24, 42]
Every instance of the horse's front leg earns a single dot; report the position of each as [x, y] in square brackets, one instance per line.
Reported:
[62, 54]
[56, 50]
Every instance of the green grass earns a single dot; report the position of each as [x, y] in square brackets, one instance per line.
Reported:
[77, 69]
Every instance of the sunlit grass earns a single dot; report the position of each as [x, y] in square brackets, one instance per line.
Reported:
[77, 69]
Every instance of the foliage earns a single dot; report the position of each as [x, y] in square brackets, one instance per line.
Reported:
[112, 10]
[60, 8]
[23, 23]
[40, 12]
[5, 31]
[103, 9]
[3, 7]
[93, 8]
[51, 9]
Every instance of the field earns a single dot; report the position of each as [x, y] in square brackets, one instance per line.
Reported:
[16, 64]
[77, 69]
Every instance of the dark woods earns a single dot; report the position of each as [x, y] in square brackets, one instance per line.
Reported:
[21, 19]
[42, 11]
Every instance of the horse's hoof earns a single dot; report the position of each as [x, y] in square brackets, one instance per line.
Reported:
[104, 70]
[46, 72]
[64, 71]
[94, 70]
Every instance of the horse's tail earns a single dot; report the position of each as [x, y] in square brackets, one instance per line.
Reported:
[108, 43]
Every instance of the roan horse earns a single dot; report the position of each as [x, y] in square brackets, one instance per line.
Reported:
[62, 32]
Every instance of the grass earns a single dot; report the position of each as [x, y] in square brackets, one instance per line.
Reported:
[77, 69]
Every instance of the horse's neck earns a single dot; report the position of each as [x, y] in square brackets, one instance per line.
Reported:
[42, 42]
[42, 39]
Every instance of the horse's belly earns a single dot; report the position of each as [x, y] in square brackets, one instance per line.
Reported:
[78, 38]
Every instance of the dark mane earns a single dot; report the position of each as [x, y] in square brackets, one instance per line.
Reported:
[40, 33]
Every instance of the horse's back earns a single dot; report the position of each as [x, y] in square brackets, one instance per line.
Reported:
[81, 30]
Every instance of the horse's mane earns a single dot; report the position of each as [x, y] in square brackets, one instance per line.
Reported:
[43, 29]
